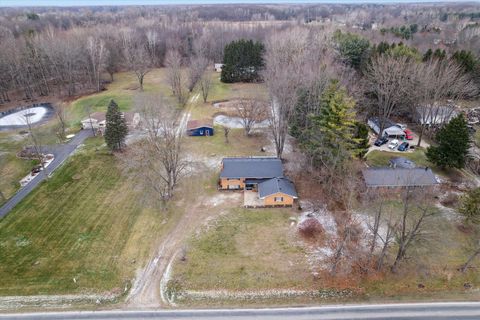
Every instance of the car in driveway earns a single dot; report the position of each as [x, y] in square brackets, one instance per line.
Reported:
[393, 144]
[404, 146]
[381, 141]
[408, 134]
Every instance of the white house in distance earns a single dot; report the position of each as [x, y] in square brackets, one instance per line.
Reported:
[97, 121]
[218, 67]
[436, 115]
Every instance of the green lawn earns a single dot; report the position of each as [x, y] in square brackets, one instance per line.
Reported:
[378, 158]
[246, 249]
[84, 223]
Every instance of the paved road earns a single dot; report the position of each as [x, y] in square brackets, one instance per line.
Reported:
[61, 153]
[454, 310]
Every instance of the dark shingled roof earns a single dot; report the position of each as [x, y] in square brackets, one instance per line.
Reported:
[402, 162]
[399, 177]
[254, 168]
[276, 185]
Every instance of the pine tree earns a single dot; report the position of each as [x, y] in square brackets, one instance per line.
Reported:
[242, 61]
[453, 144]
[330, 139]
[116, 128]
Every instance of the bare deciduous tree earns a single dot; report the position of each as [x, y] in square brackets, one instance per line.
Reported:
[158, 159]
[98, 55]
[196, 69]
[226, 131]
[251, 112]
[60, 112]
[389, 79]
[416, 209]
[175, 77]
[290, 64]
[439, 81]
[205, 84]
[136, 56]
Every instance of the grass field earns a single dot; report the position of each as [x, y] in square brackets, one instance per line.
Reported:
[378, 158]
[246, 249]
[84, 223]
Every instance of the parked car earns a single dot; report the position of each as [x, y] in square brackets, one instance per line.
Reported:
[404, 146]
[381, 141]
[393, 144]
[408, 134]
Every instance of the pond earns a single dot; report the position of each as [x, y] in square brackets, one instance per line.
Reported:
[18, 117]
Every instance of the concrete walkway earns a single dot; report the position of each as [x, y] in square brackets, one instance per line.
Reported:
[61, 153]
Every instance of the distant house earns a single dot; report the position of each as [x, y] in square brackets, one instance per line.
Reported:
[200, 128]
[402, 162]
[391, 129]
[399, 177]
[218, 67]
[262, 179]
[435, 115]
[97, 121]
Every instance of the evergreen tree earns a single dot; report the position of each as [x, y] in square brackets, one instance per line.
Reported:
[243, 60]
[116, 128]
[330, 140]
[352, 47]
[453, 144]
[361, 137]
[470, 206]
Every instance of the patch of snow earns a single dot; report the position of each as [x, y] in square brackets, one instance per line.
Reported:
[18, 118]
[236, 122]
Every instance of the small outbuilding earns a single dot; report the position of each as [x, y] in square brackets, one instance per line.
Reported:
[198, 128]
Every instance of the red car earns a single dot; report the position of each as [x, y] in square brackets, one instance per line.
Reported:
[408, 134]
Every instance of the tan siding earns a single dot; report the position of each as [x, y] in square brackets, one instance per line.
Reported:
[270, 200]
[224, 183]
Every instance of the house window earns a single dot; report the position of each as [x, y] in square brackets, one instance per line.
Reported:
[278, 199]
[201, 132]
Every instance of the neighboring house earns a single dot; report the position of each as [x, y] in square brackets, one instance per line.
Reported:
[399, 177]
[200, 128]
[97, 121]
[402, 162]
[262, 179]
[218, 67]
[391, 129]
[435, 115]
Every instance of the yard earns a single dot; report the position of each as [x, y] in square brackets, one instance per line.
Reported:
[378, 158]
[77, 233]
[245, 249]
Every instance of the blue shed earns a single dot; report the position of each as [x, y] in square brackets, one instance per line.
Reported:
[200, 128]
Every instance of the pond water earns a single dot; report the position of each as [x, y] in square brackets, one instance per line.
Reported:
[17, 118]
[235, 122]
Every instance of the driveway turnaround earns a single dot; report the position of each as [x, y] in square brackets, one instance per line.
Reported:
[447, 310]
[61, 153]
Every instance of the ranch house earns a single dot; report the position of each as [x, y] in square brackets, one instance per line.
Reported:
[262, 180]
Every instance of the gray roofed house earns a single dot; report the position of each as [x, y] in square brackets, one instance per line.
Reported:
[402, 162]
[254, 168]
[399, 177]
[276, 185]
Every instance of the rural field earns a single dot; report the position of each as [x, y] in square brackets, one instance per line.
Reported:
[157, 158]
